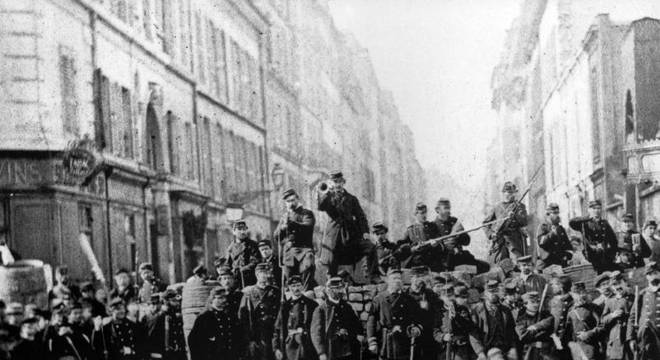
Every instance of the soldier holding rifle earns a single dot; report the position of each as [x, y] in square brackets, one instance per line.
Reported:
[642, 333]
[552, 240]
[507, 236]
[242, 254]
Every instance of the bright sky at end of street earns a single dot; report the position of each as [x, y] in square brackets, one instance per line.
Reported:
[437, 57]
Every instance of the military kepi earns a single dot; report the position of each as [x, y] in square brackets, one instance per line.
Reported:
[378, 226]
[289, 192]
[336, 175]
[509, 187]
[334, 283]
[595, 203]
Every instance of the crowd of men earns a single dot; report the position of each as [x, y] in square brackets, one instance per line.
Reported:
[267, 303]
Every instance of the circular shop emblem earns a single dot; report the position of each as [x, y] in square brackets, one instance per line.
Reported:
[79, 163]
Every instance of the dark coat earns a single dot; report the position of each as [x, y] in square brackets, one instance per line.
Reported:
[584, 319]
[329, 322]
[415, 235]
[117, 335]
[600, 243]
[535, 344]
[495, 333]
[148, 288]
[614, 328]
[466, 341]
[389, 311]
[73, 344]
[560, 305]
[346, 225]
[295, 315]
[506, 235]
[258, 312]
[391, 255]
[29, 350]
[626, 241]
[242, 257]
[554, 243]
[216, 334]
[165, 336]
[128, 295]
[298, 233]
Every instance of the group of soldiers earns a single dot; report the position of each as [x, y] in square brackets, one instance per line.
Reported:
[267, 304]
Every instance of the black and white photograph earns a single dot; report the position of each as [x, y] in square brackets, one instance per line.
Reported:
[329, 179]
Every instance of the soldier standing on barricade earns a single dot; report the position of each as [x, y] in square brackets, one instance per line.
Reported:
[553, 240]
[390, 254]
[459, 335]
[633, 249]
[394, 321]
[242, 254]
[217, 333]
[642, 333]
[150, 283]
[600, 243]
[121, 338]
[346, 235]
[295, 233]
[506, 236]
[431, 308]
[258, 312]
[534, 327]
[454, 254]
[417, 234]
[227, 281]
[335, 326]
[165, 338]
[292, 340]
[496, 324]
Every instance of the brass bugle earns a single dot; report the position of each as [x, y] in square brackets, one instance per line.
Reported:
[324, 187]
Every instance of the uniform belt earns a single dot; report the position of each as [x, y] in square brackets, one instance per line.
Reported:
[156, 356]
[540, 344]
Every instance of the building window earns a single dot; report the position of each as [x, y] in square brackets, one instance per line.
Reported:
[86, 218]
[218, 162]
[127, 112]
[191, 158]
[199, 43]
[102, 113]
[4, 214]
[595, 115]
[630, 119]
[130, 236]
[173, 143]
[68, 91]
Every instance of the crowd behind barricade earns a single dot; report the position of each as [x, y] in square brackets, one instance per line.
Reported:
[452, 306]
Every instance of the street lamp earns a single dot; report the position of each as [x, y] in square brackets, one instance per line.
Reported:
[277, 176]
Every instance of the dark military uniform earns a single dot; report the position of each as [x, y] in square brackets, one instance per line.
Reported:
[121, 338]
[454, 254]
[217, 334]
[391, 255]
[646, 334]
[554, 244]
[415, 235]
[292, 329]
[165, 338]
[298, 246]
[72, 345]
[127, 295]
[389, 318]
[275, 269]
[615, 327]
[506, 236]
[497, 327]
[600, 243]
[258, 312]
[334, 330]
[466, 338]
[430, 318]
[531, 282]
[536, 345]
[343, 241]
[582, 319]
[559, 308]
[242, 258]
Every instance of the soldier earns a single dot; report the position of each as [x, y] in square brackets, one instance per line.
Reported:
[124, 289]
[152, 310]
[267, 256]
[506, 235]
[150, 283]
[295, 233]
[389, 253]
[600, 243]
[395, 318]
[242, 254]
[649, 234]
[560, 306]
[602, 284]
[227, 281]
[633, 248]
[423, 254]
[554, 245]
[430, 312]
[217, 333]
[62, 340]
[496, 324]
[335, 326]
[642, 331]
[258, 312]
[292, 339]
[199, 275]
[583, 325]
[528, 280]
[120, 339]
[534, 329]
[614, 322]
[87, 294]
[346, 237]
[454, 254]
[459, 335]
[511, 297]
[165, 331]
[29, 347]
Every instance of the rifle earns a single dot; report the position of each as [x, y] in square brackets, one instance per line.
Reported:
[636, 322]
[412, 348]
[280, 259]
[543, 295]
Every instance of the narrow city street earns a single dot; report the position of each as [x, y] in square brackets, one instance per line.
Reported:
[329, 179]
